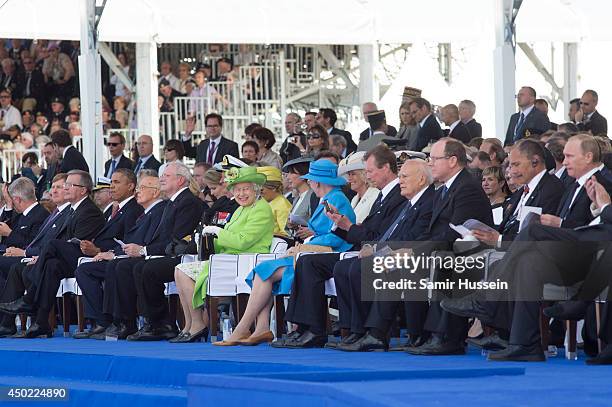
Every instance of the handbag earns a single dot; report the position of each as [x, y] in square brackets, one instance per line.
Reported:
[179, 247]
[207, 246]
[306, 248]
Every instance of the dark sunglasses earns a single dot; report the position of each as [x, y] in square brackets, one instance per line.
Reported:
[169, 149]
[315, 136]
[113, 144]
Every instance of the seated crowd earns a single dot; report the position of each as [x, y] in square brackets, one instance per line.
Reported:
[324, 195]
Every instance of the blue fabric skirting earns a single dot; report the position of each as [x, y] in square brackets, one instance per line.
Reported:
[267, 268]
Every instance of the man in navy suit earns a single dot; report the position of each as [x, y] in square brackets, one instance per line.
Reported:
[58, 258]
[429, 128]
[98, 291]
[215, 146]
[70, 157]
[529, 120]
[11, 261]
[327, 118]
[416, 183]
[116, 145]
[32, 215]
[587, 117]
[146, 160]
[307, 300]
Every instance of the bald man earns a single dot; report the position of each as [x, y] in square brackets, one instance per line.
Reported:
[456, 128]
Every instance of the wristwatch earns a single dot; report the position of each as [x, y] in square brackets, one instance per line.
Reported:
[143, 251]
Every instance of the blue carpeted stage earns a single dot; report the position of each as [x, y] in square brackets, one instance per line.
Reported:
[152, 374]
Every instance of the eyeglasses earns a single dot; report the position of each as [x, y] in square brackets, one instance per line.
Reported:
[169, 149]
[314, 135]
[584, 103]
[140, 187]
[70, 185]
[210, 126]
[434, 159]
[113, 144]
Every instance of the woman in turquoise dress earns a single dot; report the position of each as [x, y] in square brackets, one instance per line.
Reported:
[276, 276]
[249, 230]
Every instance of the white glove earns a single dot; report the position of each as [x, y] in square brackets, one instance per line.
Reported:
[211, 230]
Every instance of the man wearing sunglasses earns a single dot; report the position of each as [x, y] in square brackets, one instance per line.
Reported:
[116, 145]
[587, 117]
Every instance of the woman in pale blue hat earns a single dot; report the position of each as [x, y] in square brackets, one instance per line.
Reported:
[276, 276]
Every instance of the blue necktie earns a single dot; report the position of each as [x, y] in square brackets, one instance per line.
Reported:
[396, 223]
[443, 192]
[138, 166]
[519, 127]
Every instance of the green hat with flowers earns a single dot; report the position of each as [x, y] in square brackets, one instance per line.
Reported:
[235, 176]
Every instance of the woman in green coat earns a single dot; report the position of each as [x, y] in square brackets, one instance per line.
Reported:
[249, 230]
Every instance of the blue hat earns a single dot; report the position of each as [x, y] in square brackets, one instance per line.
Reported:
[325, 172]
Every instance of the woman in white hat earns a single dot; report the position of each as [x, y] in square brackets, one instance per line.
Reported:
[353, 169]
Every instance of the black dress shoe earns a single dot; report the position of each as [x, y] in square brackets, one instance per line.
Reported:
[414, 341]
[467, 307]
[519, 353]
[352, 338]
[38, 331]
[120, 331]
[6, 331]
[492, 342]
[308, 340]
[87, 334]
[186, 337]
[283, 343]
[567, 310]
[154, 333]
[604, 357]
[367, 343]
[437, 346]
[17, 307]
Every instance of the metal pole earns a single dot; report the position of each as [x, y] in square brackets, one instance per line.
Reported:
[90, 83]
[283, 92]
[570, 73]
[503, 68]
[146, 92]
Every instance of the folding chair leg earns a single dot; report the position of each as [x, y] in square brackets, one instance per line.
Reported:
[66, 314]
[80, 313]
[279, 312]
[570, 352]
[213, 304]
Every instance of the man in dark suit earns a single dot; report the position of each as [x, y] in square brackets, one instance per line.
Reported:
[116, 145]
[416, 183]
[32, 83]
[215, 146]
[327, 118]
[146, 160]
[588, 118]
[70, 157]
[307, 301]
[539, 189]
[456, 128]
[529, 120]
[556, 145]
[458, 199]
[98, 291]
[582, 159]
[289, 150]
[32, 216]
[429, 128]
[15, 284]
[179, 219]
[542, 106]
[366, 109]
[58, 258]
[51, 155]
[467, 110]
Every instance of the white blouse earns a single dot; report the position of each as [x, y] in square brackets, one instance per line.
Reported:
[362, 206]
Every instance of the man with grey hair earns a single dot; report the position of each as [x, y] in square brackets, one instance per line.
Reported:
[58, 258]
[338, 145]
[32, 216]
[181, 216]
[416, 185]
[456, 128]
[366, 109]
[467, 110]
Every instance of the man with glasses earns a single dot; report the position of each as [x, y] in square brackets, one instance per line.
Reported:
[116, 145]
[9, 114]
[59, 256]
[31, 85]
[215, 146]
[98, 279]
[587, 117]
[146, 159]
[529, 120]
